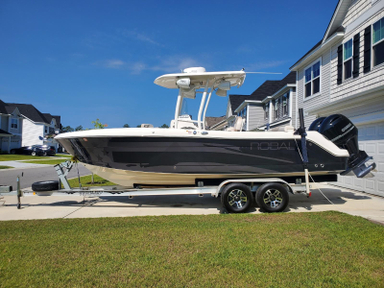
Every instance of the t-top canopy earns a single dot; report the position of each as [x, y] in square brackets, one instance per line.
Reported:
[198, 78]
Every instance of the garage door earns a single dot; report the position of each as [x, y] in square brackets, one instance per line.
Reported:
[371, 139]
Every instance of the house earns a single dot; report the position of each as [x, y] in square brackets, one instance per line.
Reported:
[344, 73]
[271, 106]
[10, 127]
[29, 126]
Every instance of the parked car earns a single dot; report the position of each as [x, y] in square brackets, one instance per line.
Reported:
[49, 150]
[35, 150]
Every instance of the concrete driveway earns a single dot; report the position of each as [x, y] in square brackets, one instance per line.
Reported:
[67, 206]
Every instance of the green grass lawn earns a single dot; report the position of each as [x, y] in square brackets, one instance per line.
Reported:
[86, 181]
[14, 157]
[5, 167]
[47, 160]
[327, 249]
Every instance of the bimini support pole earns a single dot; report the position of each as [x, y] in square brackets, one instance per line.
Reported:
[206, 107]
[202, 104]
[178, 108]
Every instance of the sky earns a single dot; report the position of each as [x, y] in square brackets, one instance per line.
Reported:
[88, 60]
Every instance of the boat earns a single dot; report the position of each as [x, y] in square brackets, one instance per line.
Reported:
[187, 154]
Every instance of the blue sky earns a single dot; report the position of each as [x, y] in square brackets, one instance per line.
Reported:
[84, 60]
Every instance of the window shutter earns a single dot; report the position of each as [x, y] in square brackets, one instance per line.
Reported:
[367, 49]
[339, 64]
[356, 52]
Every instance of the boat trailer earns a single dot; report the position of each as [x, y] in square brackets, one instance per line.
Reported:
[237, 195]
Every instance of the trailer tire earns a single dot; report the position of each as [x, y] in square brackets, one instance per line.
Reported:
[272, 197]
[237, 198]
[48, 185]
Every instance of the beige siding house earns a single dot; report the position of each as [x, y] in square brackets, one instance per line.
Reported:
[344, 74]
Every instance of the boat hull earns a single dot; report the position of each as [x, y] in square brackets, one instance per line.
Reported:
[148, 160]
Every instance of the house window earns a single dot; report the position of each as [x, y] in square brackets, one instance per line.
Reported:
[46, 129]
[312, 79]
[14, 123]
[286, 104]
[242, 113]
[348, 59]
[266, 111]
[378, 42]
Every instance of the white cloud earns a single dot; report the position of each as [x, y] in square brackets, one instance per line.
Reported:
[137, 68]
[139, 36]
[111, 63]
[175, 64]
[256, 67]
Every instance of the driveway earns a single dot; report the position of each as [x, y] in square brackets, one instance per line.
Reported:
[68, 206]
[31, 173]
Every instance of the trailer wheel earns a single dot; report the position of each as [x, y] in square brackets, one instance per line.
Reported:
[272, 197]
[237, 198]
[48, 185]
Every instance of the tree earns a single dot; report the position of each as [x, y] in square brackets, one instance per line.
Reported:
[126, 126]
[164, 126]
[67, 129]
[79, 128]
[98, 125]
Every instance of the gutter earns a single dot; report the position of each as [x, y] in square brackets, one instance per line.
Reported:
[314, 54]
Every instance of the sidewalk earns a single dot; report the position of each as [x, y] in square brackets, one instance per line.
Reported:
[70, 206]
[20, 164]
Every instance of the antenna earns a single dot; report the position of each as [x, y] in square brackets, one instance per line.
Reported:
[262, 72]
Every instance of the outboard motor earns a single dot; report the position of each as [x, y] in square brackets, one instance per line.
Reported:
[341, 131]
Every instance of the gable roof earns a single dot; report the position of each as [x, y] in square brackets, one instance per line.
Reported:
[236, 100]
[268, 88]
[211, 121]
[3, 110]
[337, 18]
[334, 28]
[49, 118]
[29, 111]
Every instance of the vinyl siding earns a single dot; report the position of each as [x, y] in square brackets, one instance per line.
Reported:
[256, 116]
[4, 123]
[319, 98]
[355, 11]
[19, 126]
[32, 133]
[365, 81]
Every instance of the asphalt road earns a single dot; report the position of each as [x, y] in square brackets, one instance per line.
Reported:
[30, 175]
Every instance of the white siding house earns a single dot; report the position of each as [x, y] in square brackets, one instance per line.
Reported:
[271, 106]
[29, 126]
[11, 125]
[344, 74]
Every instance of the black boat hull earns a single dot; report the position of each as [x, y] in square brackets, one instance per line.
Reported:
[182, 161]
